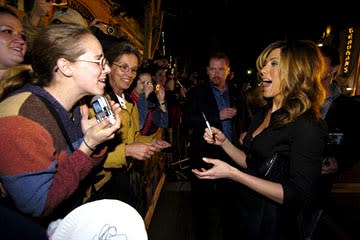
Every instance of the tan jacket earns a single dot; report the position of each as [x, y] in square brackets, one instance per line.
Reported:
[128, 133]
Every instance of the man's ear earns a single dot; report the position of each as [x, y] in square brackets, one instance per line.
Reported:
[65, 67]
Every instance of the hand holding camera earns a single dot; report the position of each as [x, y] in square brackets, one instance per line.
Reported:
[148, 88]
[102, 109]
[103, 126]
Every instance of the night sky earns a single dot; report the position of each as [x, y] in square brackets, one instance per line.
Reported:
[195, 28]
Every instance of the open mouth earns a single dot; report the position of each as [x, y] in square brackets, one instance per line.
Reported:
[17, 51]
[266, 83]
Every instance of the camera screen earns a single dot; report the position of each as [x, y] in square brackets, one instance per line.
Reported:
[97, 107]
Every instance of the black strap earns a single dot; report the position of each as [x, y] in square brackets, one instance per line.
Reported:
[55, 114]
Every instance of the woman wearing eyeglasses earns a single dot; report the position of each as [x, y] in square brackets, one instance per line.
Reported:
[152, 107]
[49, 144]
[116, 178]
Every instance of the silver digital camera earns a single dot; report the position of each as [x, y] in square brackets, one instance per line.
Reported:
[102, 109]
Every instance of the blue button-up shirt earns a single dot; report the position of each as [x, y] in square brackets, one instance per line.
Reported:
[223, 101]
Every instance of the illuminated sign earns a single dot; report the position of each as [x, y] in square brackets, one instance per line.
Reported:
[348, 50]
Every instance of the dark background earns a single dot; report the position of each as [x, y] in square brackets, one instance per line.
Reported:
[195, 28]
[241, 28]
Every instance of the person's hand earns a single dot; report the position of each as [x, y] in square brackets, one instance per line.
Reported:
[329, 165]
[161, 93]
[98, 132]
[241, 138]
[140, 151]
[183, 92]
[87, 122]
[160, 144]
[220, 169]
[227, 113]
[215, 136]
[149, 88]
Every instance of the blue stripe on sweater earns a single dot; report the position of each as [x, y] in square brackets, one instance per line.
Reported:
[30, 190]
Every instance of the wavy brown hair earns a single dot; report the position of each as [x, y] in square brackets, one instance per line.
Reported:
[301, 67]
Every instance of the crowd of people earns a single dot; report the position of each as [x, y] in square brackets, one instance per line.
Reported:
[257, 170]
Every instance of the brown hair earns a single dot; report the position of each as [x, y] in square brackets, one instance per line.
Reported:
[8, 11]
[54, 42]
[220, 55]
[118, 49]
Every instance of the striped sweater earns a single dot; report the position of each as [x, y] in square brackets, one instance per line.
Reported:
[38, 170]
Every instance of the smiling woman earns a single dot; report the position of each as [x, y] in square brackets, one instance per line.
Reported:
[48, 116]
[12, 52]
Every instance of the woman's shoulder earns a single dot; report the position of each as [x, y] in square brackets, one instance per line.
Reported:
[15, 78]
[11, 105]
[25, 105]
[16, 70]
[308, 122]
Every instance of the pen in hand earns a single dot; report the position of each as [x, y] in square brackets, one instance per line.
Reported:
[208, 126]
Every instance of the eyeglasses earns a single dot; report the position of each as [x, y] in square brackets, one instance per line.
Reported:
[101, 62]
[125, 68]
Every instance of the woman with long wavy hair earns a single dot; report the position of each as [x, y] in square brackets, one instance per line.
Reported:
[280, 165]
